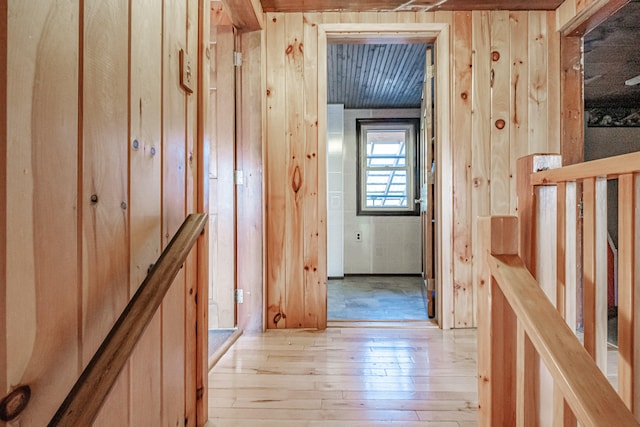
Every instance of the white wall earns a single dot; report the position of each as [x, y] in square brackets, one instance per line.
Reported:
[335, 197]
[390, 244]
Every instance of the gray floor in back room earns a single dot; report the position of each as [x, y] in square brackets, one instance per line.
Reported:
[376, 298]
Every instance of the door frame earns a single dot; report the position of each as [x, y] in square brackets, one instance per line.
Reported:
[438, 34]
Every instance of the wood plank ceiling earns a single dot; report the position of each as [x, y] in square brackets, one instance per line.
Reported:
[390, 76]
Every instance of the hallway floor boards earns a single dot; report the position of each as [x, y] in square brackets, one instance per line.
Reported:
[347, 377]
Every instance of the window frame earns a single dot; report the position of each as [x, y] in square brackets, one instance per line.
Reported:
[412, 125]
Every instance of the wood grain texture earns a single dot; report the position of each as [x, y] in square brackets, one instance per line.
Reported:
[358, 377]
[518, 106]
[480, 142]
[314, 276]
[39, 204]
[250, 194]
[496, 329]
[145, 194]
[570, 364]
[105, 188]
[174, 164]
[500, 124]
[595, 276]
[462, 151]
[245, 15]
[296, 179]
[222, 189]
[538, 83]
[276, 182]
[86, 397]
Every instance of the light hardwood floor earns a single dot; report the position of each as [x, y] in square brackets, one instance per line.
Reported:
[347, 377]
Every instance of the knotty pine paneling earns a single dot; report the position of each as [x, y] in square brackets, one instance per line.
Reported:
[40, 244]
[145, 198]
[520, 87]
[104, 197]
[87, 210]
[249, 194]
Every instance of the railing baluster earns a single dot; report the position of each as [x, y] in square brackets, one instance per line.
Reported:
[627, 363]
[595, 269]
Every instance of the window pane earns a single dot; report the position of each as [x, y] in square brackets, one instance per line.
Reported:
[386, 148]
[386, 188]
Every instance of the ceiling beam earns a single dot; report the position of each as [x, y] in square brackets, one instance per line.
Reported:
[246, 15]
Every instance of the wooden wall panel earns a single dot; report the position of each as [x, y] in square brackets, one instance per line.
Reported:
[40, 187]
[462, 136]
[518, 105]
[525, 79]
[250, 205]
[104, 197]
[295, 134]
[191, 195]
[222, 188]
[173, 210]
[481, 148]
[145, 192]
[87, 209]
[538, 83]
[276, 182]
[314, 274]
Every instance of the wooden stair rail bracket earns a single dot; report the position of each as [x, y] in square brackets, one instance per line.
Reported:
[88, 394]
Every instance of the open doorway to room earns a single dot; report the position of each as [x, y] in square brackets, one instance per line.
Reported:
[612, 116]
[379, 180]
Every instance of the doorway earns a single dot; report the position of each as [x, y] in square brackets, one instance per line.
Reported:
[429, 33]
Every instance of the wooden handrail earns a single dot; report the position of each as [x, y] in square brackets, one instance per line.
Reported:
[87, 395]
[610, 167]
[585, 389]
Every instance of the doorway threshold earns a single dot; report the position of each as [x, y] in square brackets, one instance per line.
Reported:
[389, 324]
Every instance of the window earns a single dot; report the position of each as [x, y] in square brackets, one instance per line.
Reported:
[387, 153]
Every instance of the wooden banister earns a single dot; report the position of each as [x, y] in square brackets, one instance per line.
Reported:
[610, 167]
[587, 391]
[89, 392]
[517, 321]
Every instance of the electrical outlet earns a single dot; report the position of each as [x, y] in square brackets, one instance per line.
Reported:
[358, 236]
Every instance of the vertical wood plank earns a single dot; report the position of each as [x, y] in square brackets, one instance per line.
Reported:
[191, 196]
[444, 160]
[480, 142]
[538, 82]
[553, 84]
[276, 156]
[295, 169]
[496, 328]
[626, 290]
[173, 210]
[39, 215]
[461, 141]
[518, 104]
[224, 275]
[595, 269]
[105, 187]
[144, 208]
[526, 380]
[315, 291]
[4, 65]
[500, 108]
[203, 143]
[250, 195]
[572, 98]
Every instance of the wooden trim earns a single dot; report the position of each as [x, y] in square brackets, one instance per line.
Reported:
[440, 35]
[586, 389]
[89, 392]
[610, 167]
[246, 15]
[595, 269]
[202, 205]
[4, 24]
[581, 21]
[627, 364]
